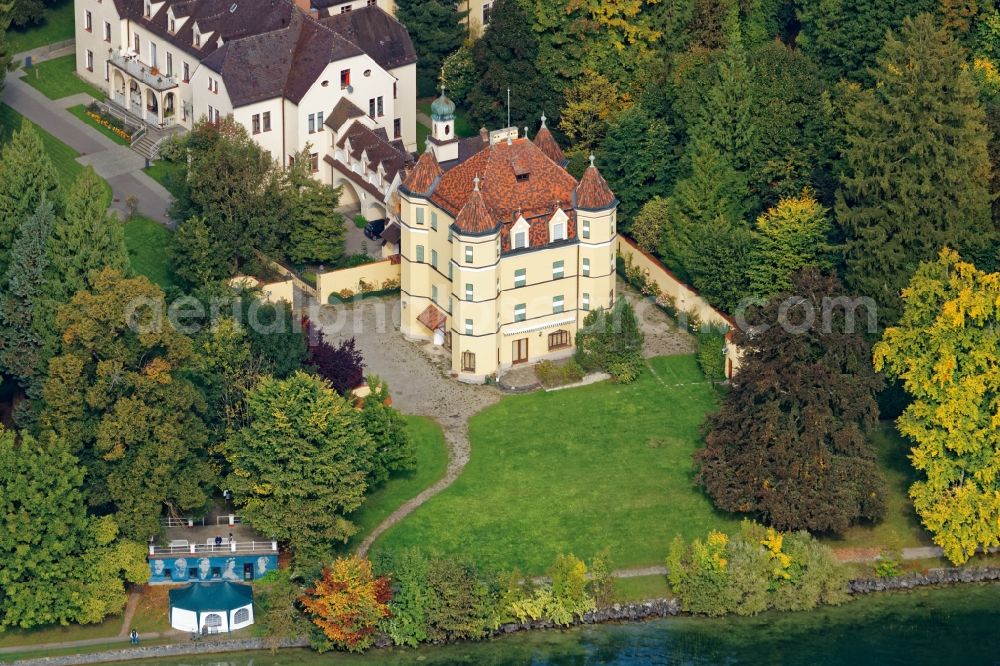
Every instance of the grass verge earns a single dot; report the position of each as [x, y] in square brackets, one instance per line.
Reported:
[432, 461]
[168, 174]
[150, 247]
[57, 78]
[80, 111]
[57, 26]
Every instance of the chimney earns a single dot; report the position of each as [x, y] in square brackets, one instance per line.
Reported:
[484, 134]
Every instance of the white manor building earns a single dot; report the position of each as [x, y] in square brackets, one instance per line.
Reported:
[293, 72]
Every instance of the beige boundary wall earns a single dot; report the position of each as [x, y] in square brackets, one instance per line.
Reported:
[374, 275]
[279, 291]
[685, 298]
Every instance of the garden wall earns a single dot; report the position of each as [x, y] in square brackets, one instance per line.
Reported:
[374, 275]
[279, 291]
[684, 297]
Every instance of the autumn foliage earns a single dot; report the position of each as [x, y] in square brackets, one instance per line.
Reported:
[347, 603]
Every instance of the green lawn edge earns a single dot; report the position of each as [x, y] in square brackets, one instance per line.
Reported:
[56, 27]
[80, 111]
[57, 78]
[150, 248]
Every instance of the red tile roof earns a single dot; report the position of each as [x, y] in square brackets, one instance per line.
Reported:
[421, 179]
[593, 192]
[515, 179]
[547, 143]
[474, 218]
[432, 317]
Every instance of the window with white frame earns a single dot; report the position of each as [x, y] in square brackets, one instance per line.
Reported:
[90, 60]
[520, 239]
[434, 293]
[586, 267]
[520, 277]
[558, 304]
[88, 21]
[434, 258]
[520, 234]
[557, 226]
[420, 254]
[558, 269]
[434, 220]
[520, 312]
[487, 6]
[107, 32]
[586, 229]
[450, 270]
[312, 123]
[420, 215]
[468, 254]
[319, 121]
[468, 327]
[153, 60]
[170, 64]
[585, 301]
[255, 124]
[468, 291]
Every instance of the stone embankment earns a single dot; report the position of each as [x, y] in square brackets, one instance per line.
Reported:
[950, 576]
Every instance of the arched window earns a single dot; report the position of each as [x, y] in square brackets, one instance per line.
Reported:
[241, 616]
[212, 622]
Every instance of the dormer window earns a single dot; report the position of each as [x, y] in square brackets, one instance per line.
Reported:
[197, 36]
[519, 234]
[147, 9]
[558, 225]
[522, 177]
[173, 25]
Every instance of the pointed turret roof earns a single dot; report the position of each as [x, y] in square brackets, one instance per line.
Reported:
[425, 175]
[548, 145]
[593, 192]
[475, 218]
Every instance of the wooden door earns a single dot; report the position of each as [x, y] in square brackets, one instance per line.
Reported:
[520, 350]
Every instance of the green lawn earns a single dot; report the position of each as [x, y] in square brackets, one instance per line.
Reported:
[641, 588]
[432, 461]
[57, 27]
[80, 111]
[901, 526]
[63, 157]
[57, 79]
[150, 247]
[167, 174]
[575, 471]
[423, 131]
[74, 632]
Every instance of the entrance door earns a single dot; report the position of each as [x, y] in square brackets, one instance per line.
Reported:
[520, 350]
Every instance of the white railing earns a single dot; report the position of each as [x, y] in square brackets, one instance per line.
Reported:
[181, 522]
[177, 548]
[229, 519]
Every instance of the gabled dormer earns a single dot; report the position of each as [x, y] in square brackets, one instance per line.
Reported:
[558, 226]
[520, 234]
[199, 38]
[175, 22]
[150, 8]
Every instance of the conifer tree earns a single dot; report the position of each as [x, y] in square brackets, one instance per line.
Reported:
[917, 168]
[199, 258]
[26, 177]
[22, 340]
[440, 30]
[319, 229]
[88, 238]
[506, 57]
[790, 236]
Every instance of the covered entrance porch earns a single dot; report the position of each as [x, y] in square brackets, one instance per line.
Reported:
[144, 93]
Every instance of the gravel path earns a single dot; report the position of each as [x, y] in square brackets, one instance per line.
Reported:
[663, 336]
[418, 381]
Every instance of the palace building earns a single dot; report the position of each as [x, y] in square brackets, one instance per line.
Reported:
[503, 251]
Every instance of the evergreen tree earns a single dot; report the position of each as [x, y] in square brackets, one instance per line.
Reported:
[438, 32]
[22, 340]
[394, 450]
[88, 238]
[638, 159]
[917, 167]
[720, 268]
[713, 194]
[790, 444]
[506, 57]
[845, 35]
[318, 234]
[26, 177]
[199, 258]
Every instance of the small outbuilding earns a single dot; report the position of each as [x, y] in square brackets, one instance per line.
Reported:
[211, 608]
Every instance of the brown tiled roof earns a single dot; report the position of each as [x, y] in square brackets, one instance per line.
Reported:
[379, 151]
[474, 218]
[344, 110]
[425, 174]
[379, 34]
[541, 187]
[593, 192]
[432, 317]
[547, 143]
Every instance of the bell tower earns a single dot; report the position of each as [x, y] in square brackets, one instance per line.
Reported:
[443, 139]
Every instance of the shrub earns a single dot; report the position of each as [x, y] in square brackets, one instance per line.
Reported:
[276, 615]
[347, 603]
[711, 353]
[360, 221]
[558, 374]
[755, 570]
[342, 366]
[611, 341]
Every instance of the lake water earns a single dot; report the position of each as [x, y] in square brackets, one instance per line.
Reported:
[959, 625]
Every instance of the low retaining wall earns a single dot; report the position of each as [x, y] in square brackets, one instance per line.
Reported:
[375, 275]
[200, 647]
[949, 576]
[634, 612]
[685, 298]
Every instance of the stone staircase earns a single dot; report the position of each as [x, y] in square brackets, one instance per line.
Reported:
[148, 144]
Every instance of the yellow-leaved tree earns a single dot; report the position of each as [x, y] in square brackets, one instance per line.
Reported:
[946, 350]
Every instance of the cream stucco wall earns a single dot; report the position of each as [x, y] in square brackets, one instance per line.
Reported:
[375, 274]
[406, 107]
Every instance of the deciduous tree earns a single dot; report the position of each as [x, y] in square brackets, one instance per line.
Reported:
[943, 349]
[348, 602]
[318, 232]
[790, 236]
[394, 451]
[301, 465]
[790, 443]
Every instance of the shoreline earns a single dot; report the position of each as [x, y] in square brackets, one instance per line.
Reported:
[628, 613]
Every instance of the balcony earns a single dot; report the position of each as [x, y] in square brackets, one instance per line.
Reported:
[142, 73]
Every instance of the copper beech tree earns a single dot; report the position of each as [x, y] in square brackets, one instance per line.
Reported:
[790, 444]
